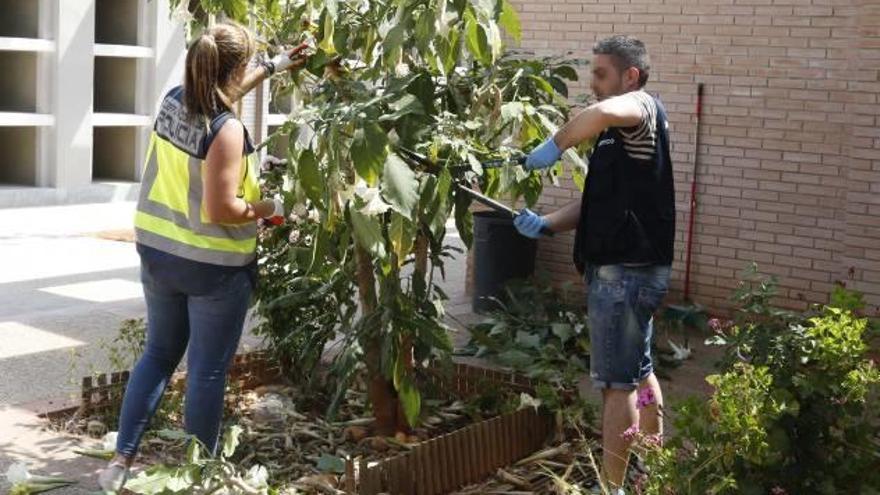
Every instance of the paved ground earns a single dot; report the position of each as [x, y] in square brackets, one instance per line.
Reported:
[61, 291]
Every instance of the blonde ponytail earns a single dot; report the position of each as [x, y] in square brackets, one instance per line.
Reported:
[211, 61]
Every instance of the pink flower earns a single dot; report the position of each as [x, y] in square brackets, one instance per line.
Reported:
[630, 433]
[646, 398]
[778, 490]
[720, 326]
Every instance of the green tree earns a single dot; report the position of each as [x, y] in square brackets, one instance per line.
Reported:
[389, 82]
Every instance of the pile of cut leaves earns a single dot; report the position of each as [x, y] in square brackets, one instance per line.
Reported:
[279, 440]
[539, 332]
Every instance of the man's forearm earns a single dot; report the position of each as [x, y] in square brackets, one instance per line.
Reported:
[565, 218]
[619, 111]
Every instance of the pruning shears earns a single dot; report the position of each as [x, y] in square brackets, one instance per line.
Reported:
[479, 197]
[494, 163]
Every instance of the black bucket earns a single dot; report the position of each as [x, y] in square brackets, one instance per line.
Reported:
[501, 254]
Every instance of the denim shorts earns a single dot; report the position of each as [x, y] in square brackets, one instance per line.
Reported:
[621, 301]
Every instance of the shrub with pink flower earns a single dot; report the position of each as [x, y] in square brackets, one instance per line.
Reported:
[630, 433]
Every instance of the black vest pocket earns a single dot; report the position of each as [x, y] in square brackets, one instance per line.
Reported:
[620, 234]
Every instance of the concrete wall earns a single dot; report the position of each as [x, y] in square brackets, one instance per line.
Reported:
[85, 78]
[789, 158]
[80, 74]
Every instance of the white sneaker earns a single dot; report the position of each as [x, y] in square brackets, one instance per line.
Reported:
[113, 477]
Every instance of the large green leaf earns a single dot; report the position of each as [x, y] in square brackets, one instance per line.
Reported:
[393, 41]
[531, 188]
[439, 210]
[230, 440]
[464, 219]
[154, 480]
[405, 105]
[542, 84]
[509, 20]
[566, 72]
[193, 453]
[369, 151]
[411, 400]
[402, 233]
[562, 331]
[448, 50]
[400, 186]
[559, 86]
[528, 339]
[368, 233]
[310, 176]
[476, 38]
[423, 89]
[425, 29]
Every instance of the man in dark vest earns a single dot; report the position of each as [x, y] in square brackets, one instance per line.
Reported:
[625, 225]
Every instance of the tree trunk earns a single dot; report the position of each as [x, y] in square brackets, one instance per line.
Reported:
[381, 391]
[420, 277]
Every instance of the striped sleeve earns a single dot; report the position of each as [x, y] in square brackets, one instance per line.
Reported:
[639, 142]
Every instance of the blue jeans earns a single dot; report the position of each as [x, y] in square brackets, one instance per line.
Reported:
[188, 304]
[621, 301]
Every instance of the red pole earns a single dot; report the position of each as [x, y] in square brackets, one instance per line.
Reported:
[693, 210]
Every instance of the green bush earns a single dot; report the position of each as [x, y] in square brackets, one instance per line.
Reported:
[796, 406]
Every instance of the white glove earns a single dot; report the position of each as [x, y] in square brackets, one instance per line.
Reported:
[271, 162]
[281, 62]
[286, 59]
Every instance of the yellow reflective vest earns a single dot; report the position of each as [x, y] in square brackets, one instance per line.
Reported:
[171, 214]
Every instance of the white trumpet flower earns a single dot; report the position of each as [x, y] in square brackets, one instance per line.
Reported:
[25, 483]
[18, 473]
[109, 441]
[680, 353]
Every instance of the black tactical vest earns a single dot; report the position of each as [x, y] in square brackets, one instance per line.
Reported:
[628, 205]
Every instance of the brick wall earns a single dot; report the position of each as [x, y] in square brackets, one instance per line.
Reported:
[789, 159]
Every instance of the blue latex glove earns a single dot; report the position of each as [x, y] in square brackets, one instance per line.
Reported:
[543, 156]
[529, 223]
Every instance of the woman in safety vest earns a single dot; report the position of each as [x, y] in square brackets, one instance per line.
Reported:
[196, 230]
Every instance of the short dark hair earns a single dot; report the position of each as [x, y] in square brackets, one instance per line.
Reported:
[627, 51]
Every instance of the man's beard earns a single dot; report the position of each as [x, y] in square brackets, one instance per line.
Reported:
[617, 92]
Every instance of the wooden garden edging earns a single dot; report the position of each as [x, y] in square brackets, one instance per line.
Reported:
[437, 466]
[445, 463]
[465, 456]
[102, 392]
